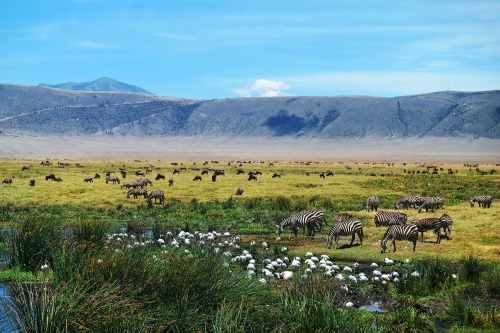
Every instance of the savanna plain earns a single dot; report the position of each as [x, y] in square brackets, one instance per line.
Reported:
[81, 257]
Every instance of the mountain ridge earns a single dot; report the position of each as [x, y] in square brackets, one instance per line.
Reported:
[101, 84]
[44, 110]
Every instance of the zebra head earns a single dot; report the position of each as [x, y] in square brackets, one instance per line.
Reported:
[472, 201]
[383, 245]
[279, 229]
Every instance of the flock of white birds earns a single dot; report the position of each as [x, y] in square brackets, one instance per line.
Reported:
[276, 267]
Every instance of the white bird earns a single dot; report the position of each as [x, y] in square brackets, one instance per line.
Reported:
[349, 304]
[328, 273]
[344, 287]
[363, 278]
[385, 277]
[250, 272]
[279, 261]
[353, 278]
[335, 267]
[262, 280]
[286, 275]
[415, 274]
[395, 274]
[376, 279]
[388, 261]
[267, 261]
[308, 271]
[251, 267]
[347, 269]
[376, 273]
[407, 261]
[285, 259]
[395, 280]
[454, 276]
[309, 254]
[340, 277]
[373, 265]
[324, 256]
[315, 259]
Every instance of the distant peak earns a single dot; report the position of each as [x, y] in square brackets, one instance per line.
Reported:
[102, 84]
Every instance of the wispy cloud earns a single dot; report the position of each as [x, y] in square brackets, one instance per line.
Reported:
[87, 44]
[263, 88]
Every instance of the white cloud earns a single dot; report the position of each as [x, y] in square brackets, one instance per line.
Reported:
[263, 88]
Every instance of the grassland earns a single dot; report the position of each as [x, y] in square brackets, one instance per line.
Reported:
[212, 205]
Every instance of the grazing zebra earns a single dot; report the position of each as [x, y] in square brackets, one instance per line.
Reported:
[113, 179]
[372, 203]
[400, 232]
[402, 201]
[346, 228]
[143, 182]
[413, 201]
[305, 218]
[427, 203]
[160, 176]
[139, 173]
[447, 223]
[483, 201]
[239, 191]
[197, 177]
[88, 179]
[156, 194]
[97, 176]
[58, 179]
[7, 181]
[50, 176]
[171, 182]
[123, 173]
[389, 218]
[431, 223]
[252, 177]
[31, 182]
[276, 175]
[137, 192]
[129, 185]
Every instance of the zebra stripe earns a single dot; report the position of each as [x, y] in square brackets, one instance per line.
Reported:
[157, 194]
[427, 203]
[431, 223]
[400, 232]
[446, 224]
[137, 192]
[143, 182]
[346, 228]
[383, 218]
[303, 219]
[483, 201]
[372, 203]
[402, 201]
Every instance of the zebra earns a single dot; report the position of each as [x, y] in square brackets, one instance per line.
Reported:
[139, 173]
[113, 179]
[143, 182]
[431, 223]
[389, 218]
[129, 185]
[239, 191]
[372, 203]
[7, 181]
[159, 176]
[346, 228]
[414, 201]
[305, 218]
[446, 224]
[88, 179]
[399, 232]
[171, 182]
[483, 201]
[427, 203]
[137, 192]
[156, 194]
[197, 177]
[31, 182]
[402, 201]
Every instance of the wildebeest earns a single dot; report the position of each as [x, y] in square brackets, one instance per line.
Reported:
[159, 176]
[197, 177]
[24, 168]
[139, 173]
[171, 182]
[31, 182]
[214, 177]
[58, 179]
[176, 171]
[240, 171]
[50, 176]
[7, 181]
[239, 191]
[252, 177]
[97, 175]
[276, 175]
[88, 179]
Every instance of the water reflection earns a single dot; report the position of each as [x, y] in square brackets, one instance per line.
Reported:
[6, 325]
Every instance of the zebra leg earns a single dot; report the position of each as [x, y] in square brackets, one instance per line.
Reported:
[337, 241]
[414, 244]
[360, 235]
[352, 239]
[394, 244]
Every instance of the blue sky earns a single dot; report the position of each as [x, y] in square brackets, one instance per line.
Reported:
[230, 48]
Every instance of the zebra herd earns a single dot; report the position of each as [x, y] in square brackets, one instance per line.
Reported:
[397, 223]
